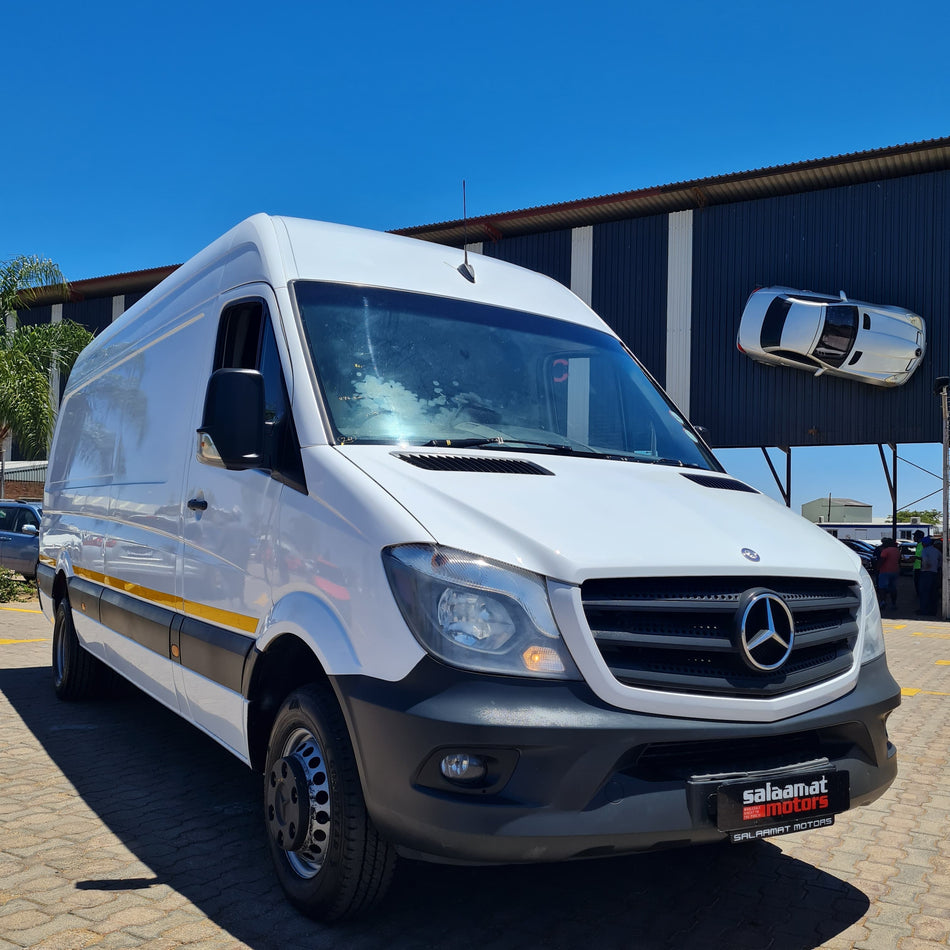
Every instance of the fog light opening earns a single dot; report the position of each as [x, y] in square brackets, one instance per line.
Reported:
[463, 768]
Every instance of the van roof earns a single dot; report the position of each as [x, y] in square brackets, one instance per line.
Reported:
[278, 250]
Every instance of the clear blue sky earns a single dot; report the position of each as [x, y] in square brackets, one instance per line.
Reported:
[138, 132]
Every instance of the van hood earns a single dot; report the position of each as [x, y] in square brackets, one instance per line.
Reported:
[572, 518]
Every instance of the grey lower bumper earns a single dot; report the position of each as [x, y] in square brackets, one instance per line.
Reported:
[574, 778]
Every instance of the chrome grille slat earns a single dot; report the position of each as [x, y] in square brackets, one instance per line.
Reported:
[676, 634]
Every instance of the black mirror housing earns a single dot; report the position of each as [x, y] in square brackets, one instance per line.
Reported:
[232, 424]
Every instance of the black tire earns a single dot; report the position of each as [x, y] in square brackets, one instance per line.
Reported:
[76, 672]
[330, 860]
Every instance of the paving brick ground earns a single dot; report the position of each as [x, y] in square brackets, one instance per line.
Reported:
[121, 826]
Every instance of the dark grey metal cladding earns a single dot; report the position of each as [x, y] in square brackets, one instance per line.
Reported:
[629, 285]
[677, 634]
[215, 653]
[36, 316]
[548, 252]
[211, 651]
[880, 241]
[83, 595]
[94, 314]
[147, 624]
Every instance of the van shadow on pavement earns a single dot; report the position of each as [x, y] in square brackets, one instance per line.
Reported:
[189, 812]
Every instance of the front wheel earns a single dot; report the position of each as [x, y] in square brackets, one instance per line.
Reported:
[329, 858]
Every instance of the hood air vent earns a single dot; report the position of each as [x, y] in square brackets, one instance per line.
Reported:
[718, 481]
[472, 463]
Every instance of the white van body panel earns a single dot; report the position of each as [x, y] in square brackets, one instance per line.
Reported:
[664, 518]
[217, 711]
[567, 600]
[326, 587]
[153, 674]
[318, 251]
[669, 520]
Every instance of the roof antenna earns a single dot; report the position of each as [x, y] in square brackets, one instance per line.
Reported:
[465, 269]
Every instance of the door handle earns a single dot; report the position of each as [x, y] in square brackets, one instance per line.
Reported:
[197, 504]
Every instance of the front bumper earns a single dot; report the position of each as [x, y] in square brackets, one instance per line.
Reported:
[572, 777]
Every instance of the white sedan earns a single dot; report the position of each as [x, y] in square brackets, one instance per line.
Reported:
[872, 343]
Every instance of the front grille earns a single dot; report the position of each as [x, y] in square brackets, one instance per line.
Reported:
[665, 761]
[677, 634]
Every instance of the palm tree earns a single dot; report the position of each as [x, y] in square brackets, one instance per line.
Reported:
[28, 356]
[21, 277]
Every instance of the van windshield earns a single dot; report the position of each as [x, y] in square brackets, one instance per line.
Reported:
[406, 368]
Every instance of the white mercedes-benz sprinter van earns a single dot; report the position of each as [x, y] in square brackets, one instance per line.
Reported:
[425, 545]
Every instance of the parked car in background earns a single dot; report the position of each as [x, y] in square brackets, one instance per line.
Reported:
[20, 537]
[866, 551]
[872, 343]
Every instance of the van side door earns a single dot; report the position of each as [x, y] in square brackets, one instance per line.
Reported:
[229, 527]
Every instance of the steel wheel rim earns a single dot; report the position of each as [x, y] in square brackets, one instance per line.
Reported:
[309, 858]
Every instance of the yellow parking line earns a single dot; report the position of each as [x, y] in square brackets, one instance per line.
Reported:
[22, 610]
[911, 691]
[943, 662]
[933, 636]
[6, 643]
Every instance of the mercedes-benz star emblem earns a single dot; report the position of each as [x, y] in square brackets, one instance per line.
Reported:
[765, 630]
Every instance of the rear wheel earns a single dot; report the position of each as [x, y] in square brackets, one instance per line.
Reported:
[329, 858]
[76, 672]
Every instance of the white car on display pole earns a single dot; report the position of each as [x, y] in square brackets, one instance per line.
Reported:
[871, 343]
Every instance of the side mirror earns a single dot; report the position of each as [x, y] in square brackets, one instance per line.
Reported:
[232, 425]
[30, 529]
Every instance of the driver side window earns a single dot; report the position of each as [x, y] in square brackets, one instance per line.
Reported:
[246, 341]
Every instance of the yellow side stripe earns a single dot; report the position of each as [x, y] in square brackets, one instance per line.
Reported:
[223, 618]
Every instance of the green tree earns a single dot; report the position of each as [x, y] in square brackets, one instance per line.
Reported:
[928, 516]
[29, 355]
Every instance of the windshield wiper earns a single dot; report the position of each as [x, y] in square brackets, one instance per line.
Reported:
[459, 443]
[513, 445]
[560, 448]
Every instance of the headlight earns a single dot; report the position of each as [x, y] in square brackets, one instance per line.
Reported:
[870, 620]
[477, 614]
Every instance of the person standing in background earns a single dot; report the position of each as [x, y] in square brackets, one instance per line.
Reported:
[889, 561]
[918, 554]
[929, 567]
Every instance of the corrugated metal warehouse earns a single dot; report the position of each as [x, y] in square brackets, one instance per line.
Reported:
[670, 268]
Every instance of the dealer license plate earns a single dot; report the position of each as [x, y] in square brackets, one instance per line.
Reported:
[781, 803]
